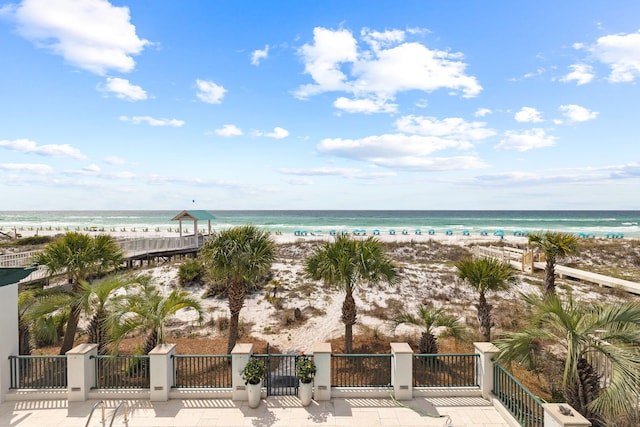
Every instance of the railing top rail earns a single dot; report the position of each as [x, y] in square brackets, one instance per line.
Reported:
[514, 379]
[360, 355]
[119, 356]
[447, 354]
[38, 356]
[182, 356]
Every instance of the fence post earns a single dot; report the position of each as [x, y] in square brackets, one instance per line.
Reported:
[161, 372]
[402, 370]
[486, 350]
[81, 372]
[322, 381]
[554, 418]
[239, 357]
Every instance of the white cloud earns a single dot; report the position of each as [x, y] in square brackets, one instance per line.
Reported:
[577, 113]
[50, 150]
[136, 120]
[482, 112]
[528, 115]
[581, 74]
[33, 168]
[277, 133]
[574, 175]
[367, 106]
[210, 92]
[228, 130]
[378, 40]
[527, 140]
[378, 71]
[122, 89]
[90, 34]
[450, 128]
[92, 168]
[621, 52]
[258, 55]
[414, 146]
[341, 172]
[114, 160]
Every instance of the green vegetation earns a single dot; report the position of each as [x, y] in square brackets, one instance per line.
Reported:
[485, 275]
[553, 245]
[346, 263]
[430, 318]
[237, 257]
[586, 338]
[80, 257]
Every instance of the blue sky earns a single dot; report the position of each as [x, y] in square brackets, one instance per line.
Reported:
[319, 104]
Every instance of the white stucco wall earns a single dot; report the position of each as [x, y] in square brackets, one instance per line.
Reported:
[8, 333]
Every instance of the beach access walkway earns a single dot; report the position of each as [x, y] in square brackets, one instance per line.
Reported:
[138, 249]
[525, 261]
[281, 411]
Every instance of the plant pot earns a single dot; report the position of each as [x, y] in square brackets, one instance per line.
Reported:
[305, 391]
[254, 394]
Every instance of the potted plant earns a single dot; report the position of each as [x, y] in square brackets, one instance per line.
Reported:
[252, 374]
[305, 371]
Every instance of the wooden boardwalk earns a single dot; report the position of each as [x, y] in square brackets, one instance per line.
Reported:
[134, 250]
[524, 261]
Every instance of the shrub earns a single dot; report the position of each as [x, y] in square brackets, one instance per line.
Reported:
[191, 271]
[253, 371]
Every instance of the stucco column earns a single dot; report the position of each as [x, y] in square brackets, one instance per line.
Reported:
[487, 351]
[553, 416]
[239, 358]
[322, 381]
[8, 333]
[161, 372]
[81, 372]
[402, 370]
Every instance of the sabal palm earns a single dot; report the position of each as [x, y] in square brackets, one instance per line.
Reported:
[347, 263]
[238, 257]
[585, 333]
[79, 256]
[430, 318]
[553, 245]
[147, 313]
[485, 275]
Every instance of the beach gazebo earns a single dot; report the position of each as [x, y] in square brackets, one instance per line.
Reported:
[195, 216]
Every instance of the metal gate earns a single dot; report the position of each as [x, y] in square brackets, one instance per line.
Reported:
[280, 378]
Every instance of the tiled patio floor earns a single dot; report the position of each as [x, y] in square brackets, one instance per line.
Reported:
[274, 411]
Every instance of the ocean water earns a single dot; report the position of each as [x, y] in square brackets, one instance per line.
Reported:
[597, 222]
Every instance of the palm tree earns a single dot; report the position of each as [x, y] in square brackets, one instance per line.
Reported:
[147, 312]
[79, 256]
[96, 299]
[346, 263]
[431, 318]
[485, 275]
[553, 245]
[238, 257]
[586, 336]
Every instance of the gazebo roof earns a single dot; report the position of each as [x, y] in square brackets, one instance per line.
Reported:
[198, 215]
[9, 276]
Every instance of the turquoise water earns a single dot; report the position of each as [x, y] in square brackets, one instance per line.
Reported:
[596, 222]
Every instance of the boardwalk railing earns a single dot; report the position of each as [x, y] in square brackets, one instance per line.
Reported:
[122, 371]
[18, 259]
[202, 371]
[38, 372]
[523, 405]
[360, 370]
[133, 247]
[445, 370]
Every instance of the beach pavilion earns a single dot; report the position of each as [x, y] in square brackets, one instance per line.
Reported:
[195, 216]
